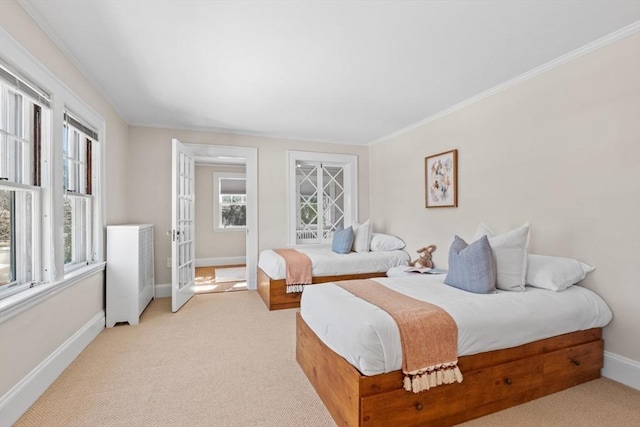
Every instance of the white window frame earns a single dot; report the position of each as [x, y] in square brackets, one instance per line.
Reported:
[350, 164]
[217, 212]
[82, 203]
[50, 248]
[26, 233]
[26, 273]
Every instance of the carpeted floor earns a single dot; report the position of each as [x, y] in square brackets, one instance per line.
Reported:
[224, 360]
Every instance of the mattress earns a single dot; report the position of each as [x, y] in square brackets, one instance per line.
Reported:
[325, 262]
[368, 338]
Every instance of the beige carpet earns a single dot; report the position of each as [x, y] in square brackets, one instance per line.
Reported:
[224, 360]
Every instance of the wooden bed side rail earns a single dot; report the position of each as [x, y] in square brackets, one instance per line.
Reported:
[384, 382]
[492, 381]
[263, 287]
[274, 291]
[336, 384]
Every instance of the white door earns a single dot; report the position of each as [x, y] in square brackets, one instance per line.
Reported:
[183, 266]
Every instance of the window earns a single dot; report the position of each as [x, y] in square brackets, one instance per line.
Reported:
[77, 148]
[51, 180]
[21, 110]
[322, 195]
[230, 200]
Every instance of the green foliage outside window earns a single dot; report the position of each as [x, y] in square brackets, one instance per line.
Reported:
[68, 256]
[309, 211]
[233, 210]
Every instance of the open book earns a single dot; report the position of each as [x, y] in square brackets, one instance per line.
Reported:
[425, 270]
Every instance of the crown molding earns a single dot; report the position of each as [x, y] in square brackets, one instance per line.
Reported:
[595, 45]
[57, 40]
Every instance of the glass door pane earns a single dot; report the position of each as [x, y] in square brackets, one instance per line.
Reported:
[308, 212]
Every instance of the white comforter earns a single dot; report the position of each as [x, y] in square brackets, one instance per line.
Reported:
[325, 262]
[368, 338]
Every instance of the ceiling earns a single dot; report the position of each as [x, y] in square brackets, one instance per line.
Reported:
[333, 71]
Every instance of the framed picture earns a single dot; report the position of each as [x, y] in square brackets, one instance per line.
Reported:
[441, 179]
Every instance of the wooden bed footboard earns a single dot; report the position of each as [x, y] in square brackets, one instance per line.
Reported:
[274, 291]
[493, 381]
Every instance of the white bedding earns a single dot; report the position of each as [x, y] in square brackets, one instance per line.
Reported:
[325, 262]
[368, 338]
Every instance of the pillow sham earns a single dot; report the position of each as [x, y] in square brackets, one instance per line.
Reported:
[342, 241]
[362, 240]
[471, 267]
[555, 273]
[510, 254]
[386, 242]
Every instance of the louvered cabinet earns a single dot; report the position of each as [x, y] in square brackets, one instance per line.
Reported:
[130, 272]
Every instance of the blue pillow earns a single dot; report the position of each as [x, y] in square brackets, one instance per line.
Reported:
[471, 267]
[342, 241]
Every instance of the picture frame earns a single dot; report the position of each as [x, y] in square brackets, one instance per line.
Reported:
[441, 180]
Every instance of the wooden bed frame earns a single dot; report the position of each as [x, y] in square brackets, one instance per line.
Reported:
[493, 381]
[274, 295]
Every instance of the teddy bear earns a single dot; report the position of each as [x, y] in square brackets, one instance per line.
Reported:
[425, 257]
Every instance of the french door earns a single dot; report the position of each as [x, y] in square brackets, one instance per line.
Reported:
[182, 226]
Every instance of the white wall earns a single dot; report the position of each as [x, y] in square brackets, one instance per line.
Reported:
[28, 338]
[149, 190]
[212, 243]
[561, 150]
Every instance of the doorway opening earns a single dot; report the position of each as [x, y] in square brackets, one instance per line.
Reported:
[185, 234]
[227, 226]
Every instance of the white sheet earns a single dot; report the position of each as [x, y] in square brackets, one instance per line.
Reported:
[368, 338]
[325, 262]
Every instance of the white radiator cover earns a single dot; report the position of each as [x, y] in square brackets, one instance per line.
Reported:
[130, 272]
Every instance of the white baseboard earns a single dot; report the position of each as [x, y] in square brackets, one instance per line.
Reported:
[213, 262]
[17, 400]
[163, 290]
[622, 370]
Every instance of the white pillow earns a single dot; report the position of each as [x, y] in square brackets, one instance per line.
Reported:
[555, 273]
[386, 242]
[510, 254]
[362, 242]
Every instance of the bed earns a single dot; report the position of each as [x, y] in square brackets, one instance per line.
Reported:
[327, 266]
[513, 347]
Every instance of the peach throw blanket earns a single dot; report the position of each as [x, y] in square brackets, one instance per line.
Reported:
[298, 267]
[428, 334]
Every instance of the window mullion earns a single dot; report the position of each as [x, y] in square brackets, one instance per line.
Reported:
[319, 202]
[55, 186]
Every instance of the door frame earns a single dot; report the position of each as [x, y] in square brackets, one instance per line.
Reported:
[204, 153]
